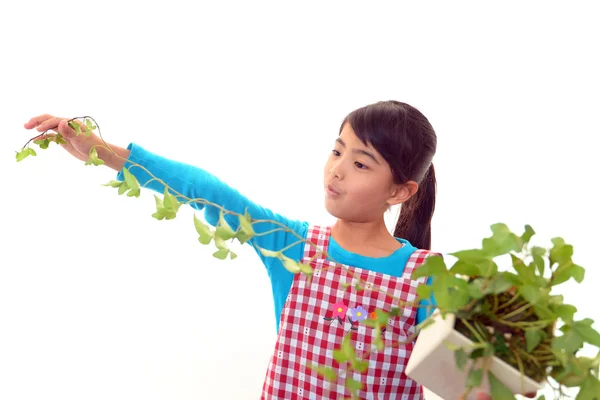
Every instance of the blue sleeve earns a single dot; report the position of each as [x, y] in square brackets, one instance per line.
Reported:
[194, 182]
[424, 311]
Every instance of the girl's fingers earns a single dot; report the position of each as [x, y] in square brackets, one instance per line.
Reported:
[35, 121]
[51, 123]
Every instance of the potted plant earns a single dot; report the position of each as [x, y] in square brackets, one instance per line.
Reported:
[501, 330]
[505, 331]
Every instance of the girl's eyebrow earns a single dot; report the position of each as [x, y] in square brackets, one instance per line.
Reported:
[359, 151]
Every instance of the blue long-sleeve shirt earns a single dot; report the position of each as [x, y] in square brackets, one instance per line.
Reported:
[194, 182]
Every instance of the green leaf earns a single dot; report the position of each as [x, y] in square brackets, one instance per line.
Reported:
[221, 254]
[59, 139]
[396, 312]
[306, 269]
[501, 242]
[529, 232]
[499, 284]
[378, 342]
[290, 264]
[134, 193]
[360, 366]
[159, 214]
[540, 263]
[90, 127]
[167, 207]
[21, 155]
[75, 126]
[424, 291]
[538, 251]
[170, 202]
[113, 183]
[232, 255]
[474, 288]
[471, 256]
[461, 357]
[130, 179]
[246, 232]
[499, 391]
[94, 158]
[326, 372]
[569, 342]
[543, 312]
[474, 378]
[223, 229]
[530, 293]
[449, 292]
[206, 234]
[488, 268]
[586, 332]
[463, 268]
[382, 317]
[578, 273]
[590, 389]
[43, 143]
[339, 356]
[515, 279]
[441, 294]
[561, 253]
[220, 243]
[353, 385]
[566, 271]
[459, 299]
[347, 347]
[533, 337]
[433, 266]
[123, 188]
[565, 312]
[270, 253]
[526, 273]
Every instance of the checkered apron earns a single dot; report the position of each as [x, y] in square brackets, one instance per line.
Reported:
[318, 314]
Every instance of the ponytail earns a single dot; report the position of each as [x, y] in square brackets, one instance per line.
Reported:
[414, 222]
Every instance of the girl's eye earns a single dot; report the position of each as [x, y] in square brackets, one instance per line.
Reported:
[360, 165]
[336, 153]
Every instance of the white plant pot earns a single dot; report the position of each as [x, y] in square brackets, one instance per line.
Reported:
[433, 366]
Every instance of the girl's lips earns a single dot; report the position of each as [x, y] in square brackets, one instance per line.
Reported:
[331, 191]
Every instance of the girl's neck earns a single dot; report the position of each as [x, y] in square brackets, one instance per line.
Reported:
[370, 239]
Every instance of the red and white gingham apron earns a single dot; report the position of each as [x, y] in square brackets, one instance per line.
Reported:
[310, 330]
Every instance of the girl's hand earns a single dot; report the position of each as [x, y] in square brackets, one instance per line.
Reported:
[77, 145]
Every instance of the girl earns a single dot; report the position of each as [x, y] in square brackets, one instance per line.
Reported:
[382, 157]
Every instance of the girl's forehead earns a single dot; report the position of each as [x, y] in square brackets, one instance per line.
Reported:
[348, 137]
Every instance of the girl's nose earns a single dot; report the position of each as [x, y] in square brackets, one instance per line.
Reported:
[335, 171]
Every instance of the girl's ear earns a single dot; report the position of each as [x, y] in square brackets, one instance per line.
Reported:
[402, 193]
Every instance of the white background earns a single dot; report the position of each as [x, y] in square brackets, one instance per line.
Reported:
[98, 300]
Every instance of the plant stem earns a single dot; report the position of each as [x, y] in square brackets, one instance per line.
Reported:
[530, 357]
[473, 331]
[508, 303]
[515, 312]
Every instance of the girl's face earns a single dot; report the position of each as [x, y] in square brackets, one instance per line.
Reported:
[358, 181]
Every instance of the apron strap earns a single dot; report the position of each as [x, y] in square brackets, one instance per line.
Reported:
[319, 236]
[415, 261]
